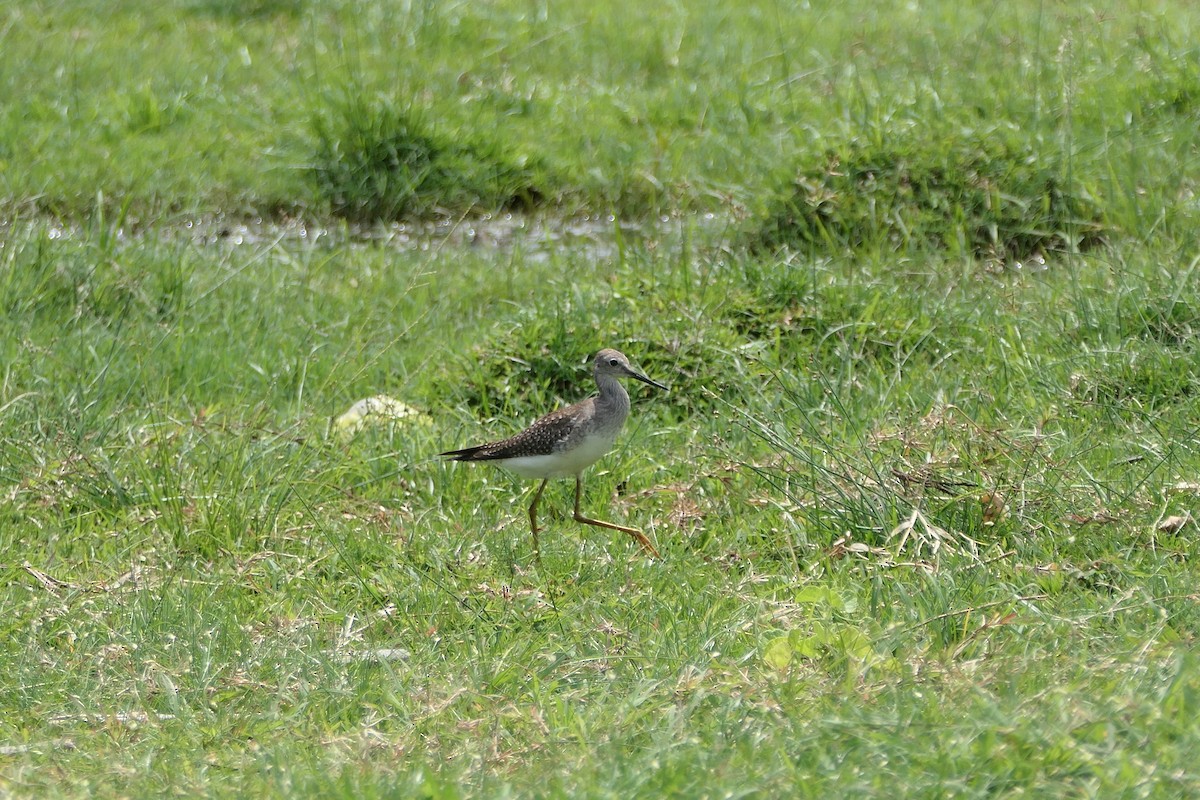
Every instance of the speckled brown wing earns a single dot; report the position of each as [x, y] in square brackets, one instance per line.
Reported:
[544, 436]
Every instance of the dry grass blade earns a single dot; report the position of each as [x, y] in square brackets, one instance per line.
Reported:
[923, 536]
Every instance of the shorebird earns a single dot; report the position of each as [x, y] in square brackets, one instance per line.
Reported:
[565, 442]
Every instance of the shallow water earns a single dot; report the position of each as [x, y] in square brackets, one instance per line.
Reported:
[538, 236]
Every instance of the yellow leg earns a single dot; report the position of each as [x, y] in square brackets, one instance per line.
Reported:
[537, 496]
[634, 532]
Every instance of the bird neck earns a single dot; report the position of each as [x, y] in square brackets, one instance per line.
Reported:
[612, 393]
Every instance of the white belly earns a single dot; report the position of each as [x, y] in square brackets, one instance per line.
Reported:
[565, 464]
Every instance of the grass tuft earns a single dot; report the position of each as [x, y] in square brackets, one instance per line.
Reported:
[378, 161]
[980, 193]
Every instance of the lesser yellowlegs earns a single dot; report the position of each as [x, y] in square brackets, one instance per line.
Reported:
[565, 442]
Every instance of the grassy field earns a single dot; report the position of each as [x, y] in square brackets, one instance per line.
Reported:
[922, 279]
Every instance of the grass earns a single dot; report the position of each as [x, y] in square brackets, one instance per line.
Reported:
[926, 504]
[375, 162]
[974, 196]
[219, 109]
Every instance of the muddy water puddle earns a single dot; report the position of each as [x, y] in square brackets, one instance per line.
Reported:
[599, 236]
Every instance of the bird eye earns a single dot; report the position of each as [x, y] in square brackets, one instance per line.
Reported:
[612, 362]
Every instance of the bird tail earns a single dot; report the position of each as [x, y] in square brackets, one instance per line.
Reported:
[466, 454]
